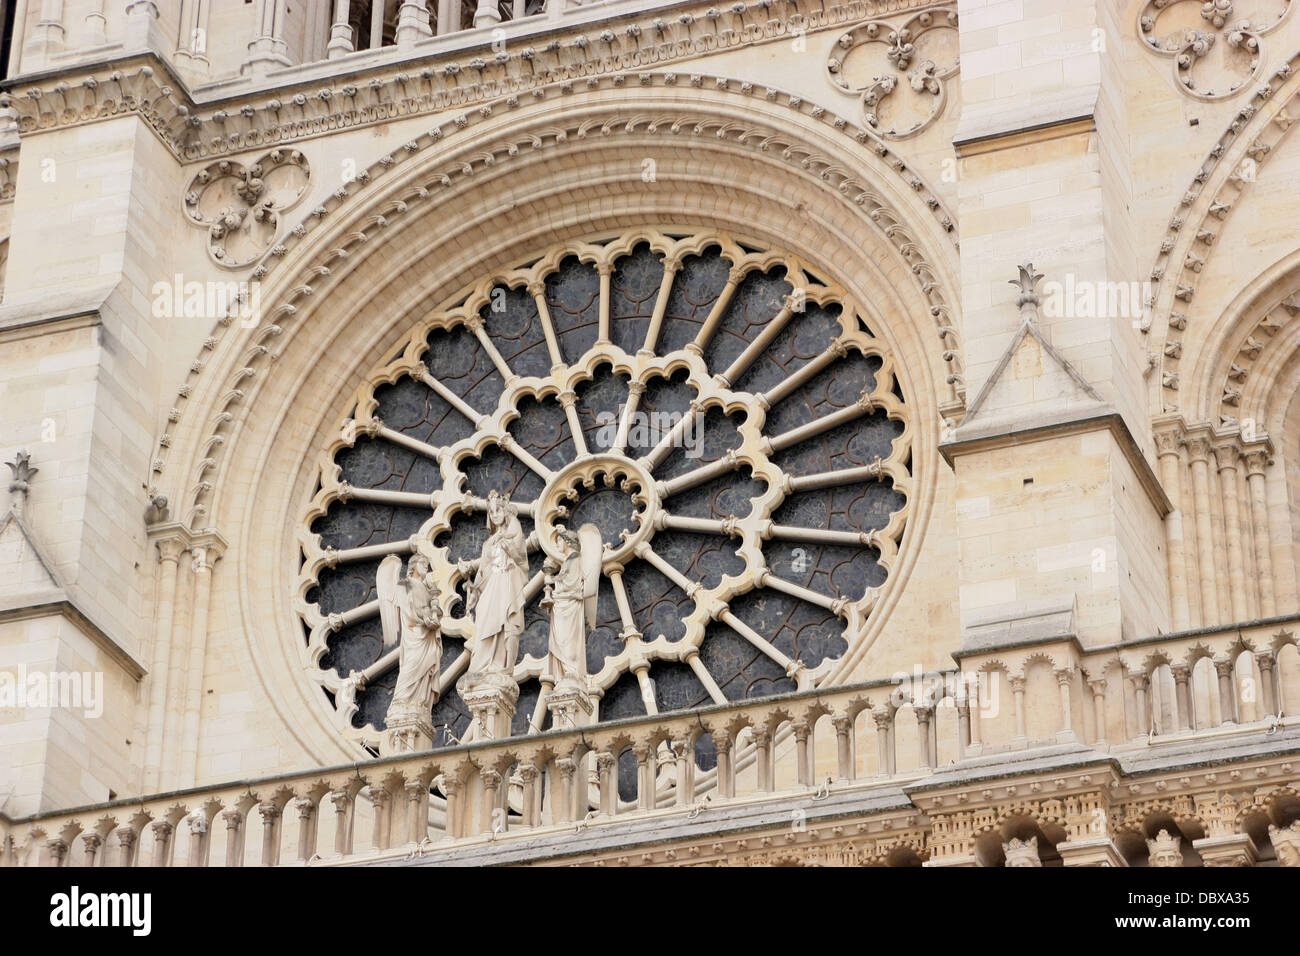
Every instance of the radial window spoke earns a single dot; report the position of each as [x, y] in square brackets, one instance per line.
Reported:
[592, 384]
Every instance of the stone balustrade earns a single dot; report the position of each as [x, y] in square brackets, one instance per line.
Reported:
[881, 736]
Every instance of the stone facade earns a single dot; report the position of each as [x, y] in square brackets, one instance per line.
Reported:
[1038, 255]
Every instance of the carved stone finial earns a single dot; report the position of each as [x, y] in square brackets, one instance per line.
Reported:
[23, 473]
[1028, 300]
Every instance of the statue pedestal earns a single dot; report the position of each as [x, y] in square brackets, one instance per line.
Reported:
[1097, 852]
[1236, 849]
[570, 705]
[491, 699]
[406, 733]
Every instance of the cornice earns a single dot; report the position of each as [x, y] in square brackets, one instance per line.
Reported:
[195, 126]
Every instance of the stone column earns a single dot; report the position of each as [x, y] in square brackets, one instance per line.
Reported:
[268, 50]
[976, 731]
[205, 554]
[1183, 712]
[843, 746]
[96, 24]
[192, 44]
[766, 772]
[57, 851]
[925, 758]
[963, 729]
[528, 777]
[723, 743]
[1063, 678]
[1225, 455]
[417, 792]
[884, 718]
[1018, 695]
[341, 31]
[1227, 699]
[344, 809]
[562, 792]
[1169, 445]
[126, 843]
[1097, 687]
[91, 843]
[1257, 459]
[413, 22]
[801, 731]
[162, 842]
[270, 813]
[376, 25]
[234, 820]
[607, 775]
[491, 790]
[454, 789]
[1198, 451]
[307, 828]
[1266, 661]
[170, 550]
[48, 36]
[448, 17]
[1141, 709]
[197, 822]
[645, 777]
[487, 14]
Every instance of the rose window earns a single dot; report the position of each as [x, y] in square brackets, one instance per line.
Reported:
[724, 415]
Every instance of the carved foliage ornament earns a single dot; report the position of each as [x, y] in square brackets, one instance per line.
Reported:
[900, 71]
[722, 414]
[1216, 45]
[240, 205]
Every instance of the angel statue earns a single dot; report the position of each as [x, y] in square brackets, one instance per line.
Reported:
[410, 617]
[571, 589]
[495, 596]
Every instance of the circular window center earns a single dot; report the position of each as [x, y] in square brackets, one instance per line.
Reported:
[611, 492]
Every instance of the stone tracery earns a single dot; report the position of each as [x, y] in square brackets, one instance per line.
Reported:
[723, 414]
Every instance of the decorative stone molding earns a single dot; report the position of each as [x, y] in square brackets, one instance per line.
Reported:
[8, 177]
[1231, 167]
[240, 205]
[917, 57]
[1209, 37]
[1249, 345]
[632, 121]
[582, 53]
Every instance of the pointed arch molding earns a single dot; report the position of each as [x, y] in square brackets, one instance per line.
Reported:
[482, 192]
[1194, 234]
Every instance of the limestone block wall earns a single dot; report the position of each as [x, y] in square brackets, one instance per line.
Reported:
[1074, 149]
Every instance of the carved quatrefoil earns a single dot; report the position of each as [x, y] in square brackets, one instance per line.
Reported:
[1215, 45]
[878, 60]
[240, 205]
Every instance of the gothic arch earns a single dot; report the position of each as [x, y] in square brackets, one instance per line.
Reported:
[404, 241]
[1195, 229]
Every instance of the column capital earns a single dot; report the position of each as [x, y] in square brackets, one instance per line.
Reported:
[1198, 443]
[1170, 432]
[1256, 459]
[1227, 449]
